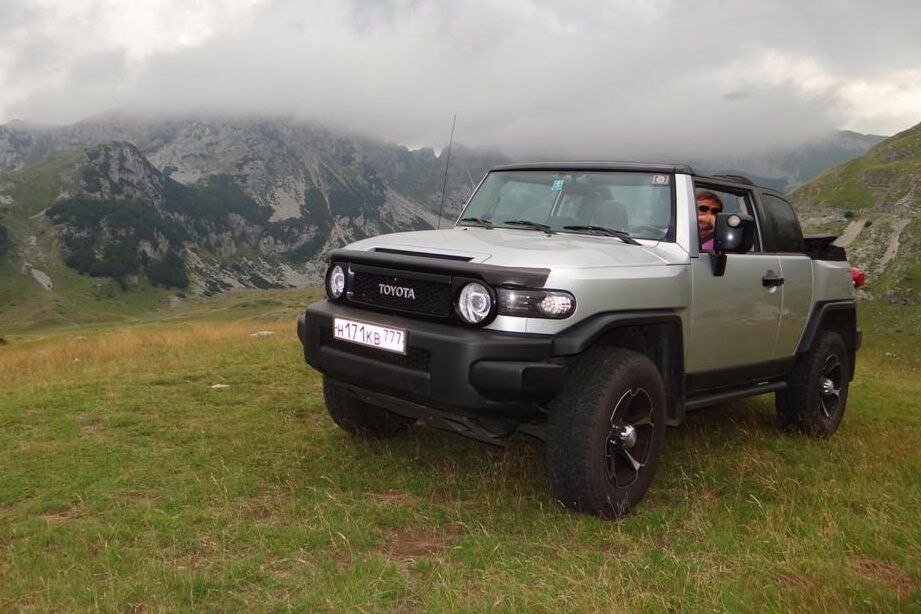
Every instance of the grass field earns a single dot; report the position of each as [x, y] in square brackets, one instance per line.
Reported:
[128, 481]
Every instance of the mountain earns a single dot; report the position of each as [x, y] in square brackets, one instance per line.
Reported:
[785, 169]
[874, 203]
[201, 205]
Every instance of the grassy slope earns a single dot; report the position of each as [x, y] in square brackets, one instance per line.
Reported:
[127, 481]
[881, 189]
[75, 298]
[886, 172]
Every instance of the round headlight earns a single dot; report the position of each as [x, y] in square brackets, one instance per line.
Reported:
[474, 302]
[335, 281]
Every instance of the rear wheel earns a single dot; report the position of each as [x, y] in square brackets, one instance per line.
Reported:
[816, 394]
[605, 432]
[359, 418]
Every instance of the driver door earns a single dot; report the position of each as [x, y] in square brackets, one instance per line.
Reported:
[734, 318]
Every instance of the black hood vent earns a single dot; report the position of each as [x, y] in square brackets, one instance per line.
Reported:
[403, 252]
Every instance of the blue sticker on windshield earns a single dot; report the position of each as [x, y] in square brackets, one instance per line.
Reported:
[557, 185]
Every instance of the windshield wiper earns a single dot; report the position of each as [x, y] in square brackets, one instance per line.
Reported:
[530, 224]
[620, 234]
[478, 221]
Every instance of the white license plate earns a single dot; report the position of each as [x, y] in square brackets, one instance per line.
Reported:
[371, 335]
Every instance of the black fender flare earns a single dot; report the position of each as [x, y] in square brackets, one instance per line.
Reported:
[580, 336]
[661, 336]
[841, 317]
[838, 316]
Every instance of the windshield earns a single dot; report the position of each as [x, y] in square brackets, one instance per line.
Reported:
[639, 204]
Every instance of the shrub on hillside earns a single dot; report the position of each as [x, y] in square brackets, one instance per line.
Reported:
[126, 217]
[214, 202]
[118, 259]
[169, 271]
[4, 241]
[103, 238]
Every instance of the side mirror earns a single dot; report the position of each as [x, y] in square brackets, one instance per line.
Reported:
[734, 234]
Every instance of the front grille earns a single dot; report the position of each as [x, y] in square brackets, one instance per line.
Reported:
[430, 298]
[416, 359]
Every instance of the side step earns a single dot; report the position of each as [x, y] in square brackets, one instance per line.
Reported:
[735, 393]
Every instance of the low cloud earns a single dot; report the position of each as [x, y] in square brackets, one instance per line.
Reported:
[571, 79]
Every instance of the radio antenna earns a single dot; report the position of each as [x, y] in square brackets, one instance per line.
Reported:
[444, 185]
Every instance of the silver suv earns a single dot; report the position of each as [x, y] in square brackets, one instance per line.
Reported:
[573, 302]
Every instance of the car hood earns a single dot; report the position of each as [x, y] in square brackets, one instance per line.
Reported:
[527, 248]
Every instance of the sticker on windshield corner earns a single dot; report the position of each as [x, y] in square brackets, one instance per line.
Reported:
[557, 185]
[660, 179]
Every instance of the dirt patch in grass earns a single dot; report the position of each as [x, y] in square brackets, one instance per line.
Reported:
[193, 559]
[91, 426]
[415, 543]
[58, 517]
[270, 508]
[141, 500]
[885, 572]
[794, 581]
[393, 497]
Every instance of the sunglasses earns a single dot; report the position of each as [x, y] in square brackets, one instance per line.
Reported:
[705, 209]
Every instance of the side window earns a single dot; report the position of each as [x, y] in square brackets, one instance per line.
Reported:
[782, 232]
[729, 202]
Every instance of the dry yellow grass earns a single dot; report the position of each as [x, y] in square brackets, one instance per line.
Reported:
[119, 352]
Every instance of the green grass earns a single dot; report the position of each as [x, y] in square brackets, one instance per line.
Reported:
[883, 175]
[842, 187]
[128, 482]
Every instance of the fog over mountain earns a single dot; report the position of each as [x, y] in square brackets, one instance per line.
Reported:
[661, 79]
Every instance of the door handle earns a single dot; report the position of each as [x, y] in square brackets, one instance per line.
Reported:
[771, 279]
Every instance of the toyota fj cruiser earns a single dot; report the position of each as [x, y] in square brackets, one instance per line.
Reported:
[573, 302]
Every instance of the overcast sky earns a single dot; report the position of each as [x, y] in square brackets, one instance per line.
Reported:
[581, 78]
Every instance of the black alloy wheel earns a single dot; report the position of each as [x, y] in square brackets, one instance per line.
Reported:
[830, 385]
[605, 431]
[816, 394]
[630, 438]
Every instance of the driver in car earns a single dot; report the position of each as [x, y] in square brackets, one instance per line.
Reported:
[708, 205]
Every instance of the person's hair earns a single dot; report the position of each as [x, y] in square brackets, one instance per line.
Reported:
[705, 195]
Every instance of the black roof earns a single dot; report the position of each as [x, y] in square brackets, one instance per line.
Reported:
[640, 167]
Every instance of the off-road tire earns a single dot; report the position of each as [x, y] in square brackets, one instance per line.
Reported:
[808, 404]
[580, 450]
[359, 418]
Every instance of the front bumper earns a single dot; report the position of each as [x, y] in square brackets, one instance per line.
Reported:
[474, 371]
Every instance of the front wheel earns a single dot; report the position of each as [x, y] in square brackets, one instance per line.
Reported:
[816, 394]
[605, 432]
